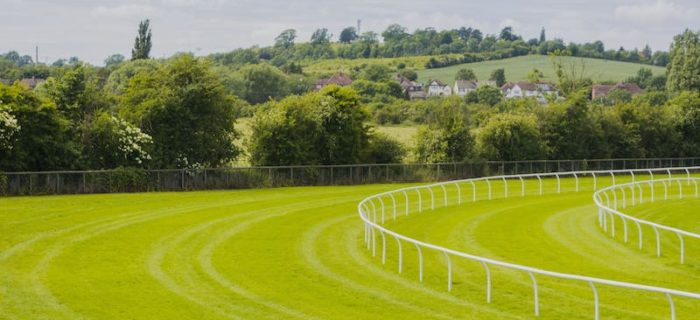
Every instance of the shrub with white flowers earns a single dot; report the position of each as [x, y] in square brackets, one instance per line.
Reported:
[9, 128]
[113, 142]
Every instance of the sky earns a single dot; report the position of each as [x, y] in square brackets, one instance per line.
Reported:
[93, 30]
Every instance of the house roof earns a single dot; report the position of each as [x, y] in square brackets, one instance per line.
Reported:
[437, 82]
[466, 84]
[338, 79]
[600, 90]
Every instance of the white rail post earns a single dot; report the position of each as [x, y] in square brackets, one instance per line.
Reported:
[558, 183]
[665, 190]
[634, 193]
[624, 197]
[393, 204]
[420, 262]
[641, 240]
[449, 271]
[432, 198]
[633, 177]
[641, 193]
[398, 242]
[383, 247]
[687, 172]
[420, 200]
[534, 286]
[652, 183]
[595, 182]
[489, 184]
[595, 299]
[374, 210]
[658, 241]
[381, 201]
[488, 281]
[624, 224]
[405, 195]
[505, 186]
[522, 186]
[459, 193]
[673, 307]
[444, 193]
[540, 181]
[576, 178]
[613, 178]
[651, 173]
[473, 190]
[682, 246]
[680, 189]
[614, 193]
[374, 242]
[669, 173]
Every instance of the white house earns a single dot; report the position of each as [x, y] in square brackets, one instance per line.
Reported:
[524, 89]
[437, 88]
[464, 87]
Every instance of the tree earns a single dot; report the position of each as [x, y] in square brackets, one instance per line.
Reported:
[447, 138]
[643, 78]
[263, 82]
[41, 141]
[683, 69]
[114, 60]
[111, 142]
[685, 116]
[325, 127]
[383, 149]
[187, 111]
[286, 39]
[486, 95]
[409, 74]
[535, 76]
[321, 36]
[508, 35]
[499, 76]
[570, 72]
[543, 37]
[142, 44]
[465, 74]
[375, 72]
[348, 35]
[510, 137]
[394, 33]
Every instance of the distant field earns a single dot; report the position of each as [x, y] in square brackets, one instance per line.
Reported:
[332, 66]
[518, 68]
[298, 253]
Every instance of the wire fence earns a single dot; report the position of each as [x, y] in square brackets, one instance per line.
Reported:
[141, 180]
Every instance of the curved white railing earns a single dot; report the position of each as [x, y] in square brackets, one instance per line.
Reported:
[606, 209]
[368, 212]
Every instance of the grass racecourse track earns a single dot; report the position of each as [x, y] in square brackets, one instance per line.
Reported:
[298, 253]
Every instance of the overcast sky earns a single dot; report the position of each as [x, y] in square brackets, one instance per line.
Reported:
[93, 30]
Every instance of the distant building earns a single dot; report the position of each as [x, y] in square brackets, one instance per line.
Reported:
[31, 83]
[601, 90]
[523, 89]
[414, 90]
[464, 87]
[437, 88]
[417, 95]
[338, 79]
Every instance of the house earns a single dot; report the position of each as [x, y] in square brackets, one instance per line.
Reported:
[31, 83]
[338, 79]
[437, 88]
[6, 81]
[417, 95]
[407, 85]
[601, 90]
[523, 89]
[464, 87]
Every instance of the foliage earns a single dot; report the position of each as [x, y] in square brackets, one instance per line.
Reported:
[142, 44]
[9, 129]
[499, 76]
[685, 116]
[487, 95]
[263, 82]
[111, 142]
[465, 74]
[328, 127]
[510, 137]
[684, 67]
[383, 149]
[447, 138]
[185, 108]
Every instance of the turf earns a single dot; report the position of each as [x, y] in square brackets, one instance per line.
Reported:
[518, 68]
[299, 253]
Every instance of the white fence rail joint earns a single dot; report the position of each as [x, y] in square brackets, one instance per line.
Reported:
[368, 215]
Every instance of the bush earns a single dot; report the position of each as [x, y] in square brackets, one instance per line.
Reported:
[384, 149]
[127, 180]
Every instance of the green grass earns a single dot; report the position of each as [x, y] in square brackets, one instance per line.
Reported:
[518, 68]
[298, 253]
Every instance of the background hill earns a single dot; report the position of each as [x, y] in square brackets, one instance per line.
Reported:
[518, 68]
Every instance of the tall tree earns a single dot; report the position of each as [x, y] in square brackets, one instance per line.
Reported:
[465, 74]
[499, 76]
[142, 44]
[348, 35]
[286, 39]
[543, 37]
[321, 36]
[684, 67]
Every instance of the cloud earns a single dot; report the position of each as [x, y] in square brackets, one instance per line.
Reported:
[123, 11]
[660, 11]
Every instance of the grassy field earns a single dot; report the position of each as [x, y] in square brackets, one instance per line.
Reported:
[298, 253]
[519, 67]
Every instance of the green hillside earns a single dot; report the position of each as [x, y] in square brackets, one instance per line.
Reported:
[518, 68]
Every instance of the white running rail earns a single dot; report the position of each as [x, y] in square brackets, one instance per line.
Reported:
[636, 191]
[374, 216]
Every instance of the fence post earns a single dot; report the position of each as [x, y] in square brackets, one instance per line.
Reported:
[182, 179]
[84, 183]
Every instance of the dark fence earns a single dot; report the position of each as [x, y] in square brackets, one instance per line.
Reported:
[138, 180]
